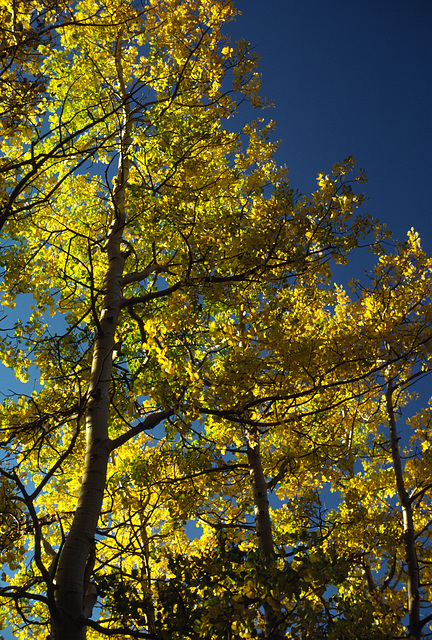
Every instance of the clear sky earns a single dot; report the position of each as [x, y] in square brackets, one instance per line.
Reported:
[351, 78]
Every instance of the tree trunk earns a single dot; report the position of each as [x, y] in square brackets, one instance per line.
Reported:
[413, 581]
[263, 526]
[68, 620]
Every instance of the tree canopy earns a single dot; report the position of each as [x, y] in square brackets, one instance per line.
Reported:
[213, 447]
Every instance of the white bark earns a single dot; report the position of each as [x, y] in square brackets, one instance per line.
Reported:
[261, 503]
[68, 621]
[71, 568]
[262, 524]
[413, 578]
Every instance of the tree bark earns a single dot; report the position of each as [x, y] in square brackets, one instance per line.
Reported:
[68, 620]
[413, 580]
[263, 526]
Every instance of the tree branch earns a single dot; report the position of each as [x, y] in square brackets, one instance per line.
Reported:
[150, 422]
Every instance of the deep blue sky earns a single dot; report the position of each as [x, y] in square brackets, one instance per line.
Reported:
[351, 78]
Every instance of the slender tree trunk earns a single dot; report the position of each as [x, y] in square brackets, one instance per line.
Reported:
[413, 581]
[146, 578]
[68, 620]
[263, 526]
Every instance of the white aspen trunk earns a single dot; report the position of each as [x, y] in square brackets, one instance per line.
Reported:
[413, 579]
[261, 503]
[69, 595]
[68, 620]
[263, 525]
